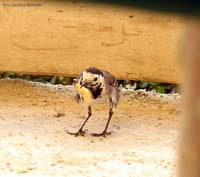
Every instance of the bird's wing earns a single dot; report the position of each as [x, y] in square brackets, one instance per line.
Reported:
[110, 79]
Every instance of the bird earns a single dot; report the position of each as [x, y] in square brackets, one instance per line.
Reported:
[95, 84]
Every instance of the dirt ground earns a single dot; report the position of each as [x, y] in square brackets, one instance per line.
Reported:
[33, 142]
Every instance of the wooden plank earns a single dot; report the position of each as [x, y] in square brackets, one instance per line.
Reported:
[189, 160]
[63, 38]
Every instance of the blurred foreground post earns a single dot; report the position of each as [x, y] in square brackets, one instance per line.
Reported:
[190, 142]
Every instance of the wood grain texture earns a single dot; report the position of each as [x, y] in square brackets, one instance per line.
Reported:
[63, 38]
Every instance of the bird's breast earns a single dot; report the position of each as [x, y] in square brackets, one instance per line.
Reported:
[100, 100]
[96, 91]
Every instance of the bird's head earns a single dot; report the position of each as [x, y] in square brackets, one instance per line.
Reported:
[91, 78]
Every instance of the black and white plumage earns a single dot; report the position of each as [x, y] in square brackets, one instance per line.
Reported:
[103, 86]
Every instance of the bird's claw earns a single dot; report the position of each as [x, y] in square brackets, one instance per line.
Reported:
[81, 132]
[104, 134]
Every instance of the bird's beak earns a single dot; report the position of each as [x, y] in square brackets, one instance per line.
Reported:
[85, 84]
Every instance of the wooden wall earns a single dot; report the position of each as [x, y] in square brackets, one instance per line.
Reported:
[63, 38]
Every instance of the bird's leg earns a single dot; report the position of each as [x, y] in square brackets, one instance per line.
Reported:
[105, 133]
[81, 131]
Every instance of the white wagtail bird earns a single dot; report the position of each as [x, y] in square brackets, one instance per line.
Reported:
[101, 85]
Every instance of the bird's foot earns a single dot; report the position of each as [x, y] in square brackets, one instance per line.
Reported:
[104, 134]
[81, 132]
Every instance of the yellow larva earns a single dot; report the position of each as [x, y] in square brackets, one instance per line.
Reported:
[85, 93]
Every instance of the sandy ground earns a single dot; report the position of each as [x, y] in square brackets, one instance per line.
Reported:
[33, 142]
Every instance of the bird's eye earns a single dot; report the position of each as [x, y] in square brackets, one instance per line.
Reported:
[95, 79]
